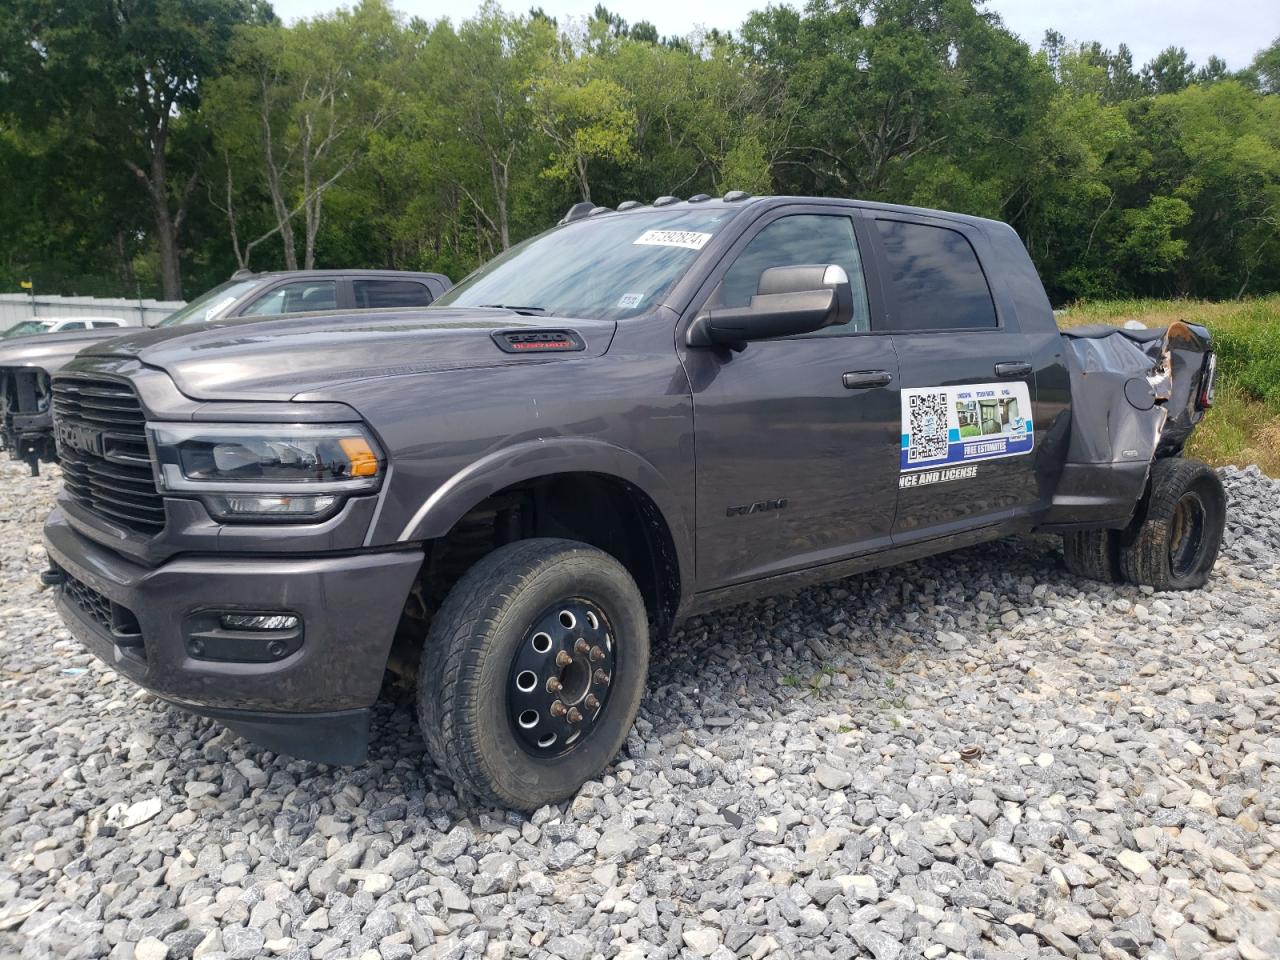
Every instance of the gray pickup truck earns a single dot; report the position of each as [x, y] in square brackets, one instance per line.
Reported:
[640, 414]
[28, 361]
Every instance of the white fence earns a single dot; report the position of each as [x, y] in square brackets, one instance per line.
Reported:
[15, 307]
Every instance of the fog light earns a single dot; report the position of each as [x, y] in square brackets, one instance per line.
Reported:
[255, 621]
[247, 506]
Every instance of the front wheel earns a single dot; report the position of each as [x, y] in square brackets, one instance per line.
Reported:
[1177, 542]
[533, 671]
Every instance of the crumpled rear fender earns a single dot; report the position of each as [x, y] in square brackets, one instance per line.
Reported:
[1136, 396]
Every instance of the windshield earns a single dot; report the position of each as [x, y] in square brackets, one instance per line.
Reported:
[211, 304]
[24, 328]
[606, 267]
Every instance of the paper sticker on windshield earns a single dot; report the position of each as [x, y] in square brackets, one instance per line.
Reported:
[218, 307]
[673, 238]
[629, 300]
[942, 426]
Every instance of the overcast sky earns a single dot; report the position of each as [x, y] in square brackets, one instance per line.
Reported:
[1233, 29]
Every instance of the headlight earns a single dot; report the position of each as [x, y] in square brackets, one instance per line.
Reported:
[286, 471]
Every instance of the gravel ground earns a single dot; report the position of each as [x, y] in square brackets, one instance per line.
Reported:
[972, 756]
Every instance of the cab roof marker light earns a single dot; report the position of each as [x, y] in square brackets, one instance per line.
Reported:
[733, 196]
[699, 197]
[596, 211]
[577, 212]
[665, 201]
[629, 204]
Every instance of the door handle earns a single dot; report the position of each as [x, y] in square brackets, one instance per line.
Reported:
[866, 379]
[1013, 368]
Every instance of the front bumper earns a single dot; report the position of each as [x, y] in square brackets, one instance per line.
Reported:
[312, 702]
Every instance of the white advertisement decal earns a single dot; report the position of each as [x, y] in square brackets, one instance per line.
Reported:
[953, 426]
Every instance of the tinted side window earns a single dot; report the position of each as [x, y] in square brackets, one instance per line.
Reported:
[74, 325]
[390, 293]
[301, 296]
[936, 277]
[792, 241]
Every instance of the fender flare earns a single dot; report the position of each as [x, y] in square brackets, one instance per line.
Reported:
[532, 459]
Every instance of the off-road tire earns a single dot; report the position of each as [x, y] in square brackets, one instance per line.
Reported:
[1154, 551]
[466, 661]
[1094, 554]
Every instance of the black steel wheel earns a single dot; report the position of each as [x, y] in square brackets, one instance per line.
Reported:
[560, 677]
[1174, 542]
[533, 670]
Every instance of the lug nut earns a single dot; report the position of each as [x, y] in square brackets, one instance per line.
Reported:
[600, 677]
[597, 654]
[563, 659]
[591, 703]
[574, 715]
[553, 685]
[581, 646]
[557, 708]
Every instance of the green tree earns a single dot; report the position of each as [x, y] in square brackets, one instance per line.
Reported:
[584, 117]
[302, 103]
[128, 76]
[1169, 71]
[1264, 72]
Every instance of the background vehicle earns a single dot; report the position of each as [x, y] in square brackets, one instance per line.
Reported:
[38, 325]
[26, 364]
[637, 416]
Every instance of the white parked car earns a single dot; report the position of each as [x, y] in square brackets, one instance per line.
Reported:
[25, 328]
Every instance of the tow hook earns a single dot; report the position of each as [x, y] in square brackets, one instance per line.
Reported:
[53, 577]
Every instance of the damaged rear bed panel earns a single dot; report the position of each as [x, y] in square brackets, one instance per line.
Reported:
[1136, 395]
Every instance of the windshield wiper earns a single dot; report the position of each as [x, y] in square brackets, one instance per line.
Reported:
[527, 311]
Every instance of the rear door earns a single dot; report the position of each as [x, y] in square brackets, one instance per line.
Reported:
[967, 378]
[796, 438]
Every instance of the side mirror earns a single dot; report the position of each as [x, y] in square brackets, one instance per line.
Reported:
[788, 301]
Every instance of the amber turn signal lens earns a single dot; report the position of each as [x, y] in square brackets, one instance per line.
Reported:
[364, 462]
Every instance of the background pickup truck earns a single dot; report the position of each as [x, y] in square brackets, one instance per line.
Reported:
[638, 415]
[40, 349]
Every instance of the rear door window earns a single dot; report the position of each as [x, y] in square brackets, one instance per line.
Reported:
[371, 294]
[300, 296]
[936, 278]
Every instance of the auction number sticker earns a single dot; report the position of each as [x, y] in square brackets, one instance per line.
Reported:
[213, 312]
[950, 426]
[688, 239]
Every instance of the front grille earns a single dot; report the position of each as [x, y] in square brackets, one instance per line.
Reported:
[106, 464]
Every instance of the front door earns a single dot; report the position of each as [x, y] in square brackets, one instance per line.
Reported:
[796, 439]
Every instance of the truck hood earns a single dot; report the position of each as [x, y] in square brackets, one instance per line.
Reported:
[256, 359]
[52, 351]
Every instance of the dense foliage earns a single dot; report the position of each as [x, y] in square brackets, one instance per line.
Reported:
[154, 146]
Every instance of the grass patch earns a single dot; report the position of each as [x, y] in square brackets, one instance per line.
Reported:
[1244, 425]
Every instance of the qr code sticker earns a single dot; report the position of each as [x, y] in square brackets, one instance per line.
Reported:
[927, 427]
